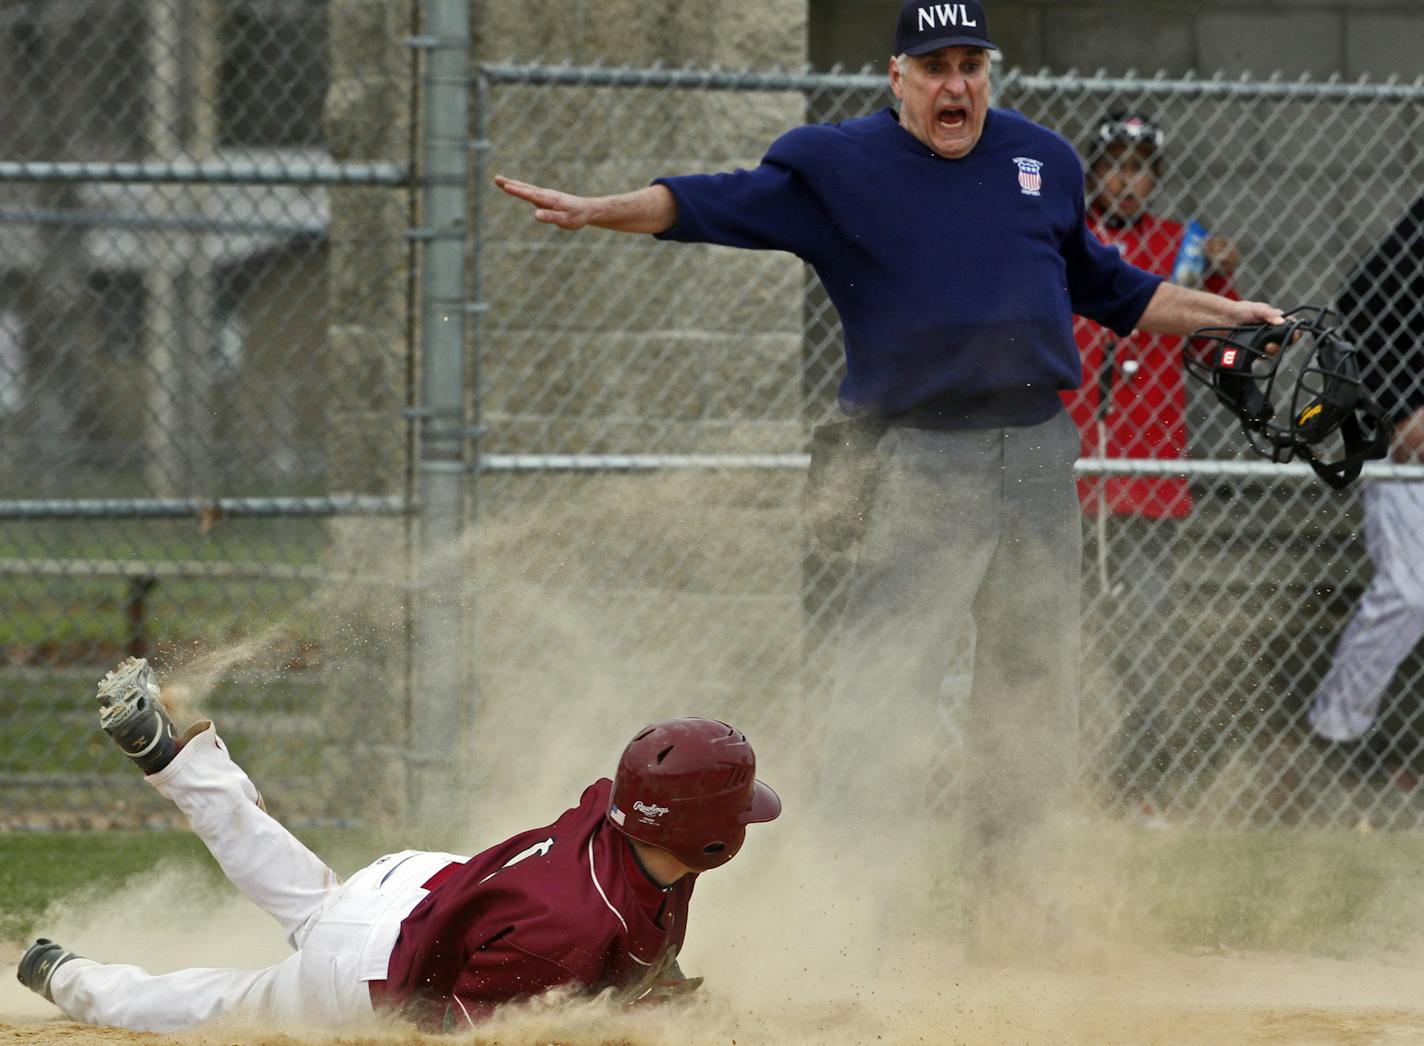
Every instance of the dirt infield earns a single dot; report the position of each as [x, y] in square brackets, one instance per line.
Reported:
[1147, 999]
[798, 949]
[816, 935]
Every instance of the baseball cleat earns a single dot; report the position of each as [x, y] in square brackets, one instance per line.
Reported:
[38, 964]
[131, 712]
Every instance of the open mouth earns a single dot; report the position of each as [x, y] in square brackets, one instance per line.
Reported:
[952, 118]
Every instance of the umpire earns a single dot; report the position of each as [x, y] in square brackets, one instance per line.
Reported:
[951, 238]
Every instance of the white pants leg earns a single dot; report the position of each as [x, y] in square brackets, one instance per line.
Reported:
[1389, 620]
[259, 856]
[343, 934]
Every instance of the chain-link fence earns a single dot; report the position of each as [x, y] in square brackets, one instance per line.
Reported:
[648, 407]
[187, 427]
[209, 324]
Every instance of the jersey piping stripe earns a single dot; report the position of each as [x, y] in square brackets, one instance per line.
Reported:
[394, 867]
[593, 874]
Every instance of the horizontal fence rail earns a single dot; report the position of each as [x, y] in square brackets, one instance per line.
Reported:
[185, 508]
[1301, 89]
[224, 172]
[800, 462]
[694, 79]
[748, 80]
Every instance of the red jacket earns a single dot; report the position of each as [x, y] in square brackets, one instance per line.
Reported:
[1147, 415]
[561, 905]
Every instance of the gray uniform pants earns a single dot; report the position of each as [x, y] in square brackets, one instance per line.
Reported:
[974, 534]
[1389, 621]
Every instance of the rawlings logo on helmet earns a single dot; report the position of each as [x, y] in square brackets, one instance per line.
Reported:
[696, 791]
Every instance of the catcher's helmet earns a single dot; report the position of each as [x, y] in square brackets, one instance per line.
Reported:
[688, 786]
[1132, 129]
[1243, 365]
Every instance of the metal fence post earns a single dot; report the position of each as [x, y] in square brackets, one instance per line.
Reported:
[441, 691]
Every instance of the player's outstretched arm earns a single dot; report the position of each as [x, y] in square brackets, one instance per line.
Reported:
[1181, 310]
[650, 210]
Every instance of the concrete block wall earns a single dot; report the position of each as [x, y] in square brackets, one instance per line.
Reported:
[1375, 38]
[579, 352]
[368, 119]
[596, 342]
[623, 373]
[364, 373]
[632, 32]
[576, 354]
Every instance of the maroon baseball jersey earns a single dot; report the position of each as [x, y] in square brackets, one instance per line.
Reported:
[566, 904]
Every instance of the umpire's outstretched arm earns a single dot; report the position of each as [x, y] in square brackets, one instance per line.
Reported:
[1181, 310]
[1172, 309]
[650, 210]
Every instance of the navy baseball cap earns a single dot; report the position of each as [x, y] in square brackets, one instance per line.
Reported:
[926, 26]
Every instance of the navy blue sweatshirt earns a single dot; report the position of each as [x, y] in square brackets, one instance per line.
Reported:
[956, 280]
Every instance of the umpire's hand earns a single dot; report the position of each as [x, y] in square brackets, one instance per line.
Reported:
[650, 210]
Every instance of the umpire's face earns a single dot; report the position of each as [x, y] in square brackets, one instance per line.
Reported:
[944, 97]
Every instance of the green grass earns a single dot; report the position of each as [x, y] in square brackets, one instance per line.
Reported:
[70, 611]
[1333, 894]
[67, 611]
[281, 541]
[1329, 893]
[44, 867]
[47, 723]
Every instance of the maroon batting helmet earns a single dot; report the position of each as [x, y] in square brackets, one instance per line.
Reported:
[688, 786]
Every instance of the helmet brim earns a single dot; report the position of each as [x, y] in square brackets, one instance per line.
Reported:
[765, 805]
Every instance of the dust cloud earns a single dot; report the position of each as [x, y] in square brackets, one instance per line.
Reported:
[597, 606]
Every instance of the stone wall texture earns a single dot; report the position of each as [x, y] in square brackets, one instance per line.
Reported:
[580, 352]
[621, 375]
[1375, 38]
[368, 119]
[682, 590]
[574, 354]
[367, 382]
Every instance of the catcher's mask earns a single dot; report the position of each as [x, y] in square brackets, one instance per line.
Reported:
[1245, 368]
[688, 786]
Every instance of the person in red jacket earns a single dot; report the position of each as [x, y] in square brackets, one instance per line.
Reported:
[1132, 404]
[596, 901]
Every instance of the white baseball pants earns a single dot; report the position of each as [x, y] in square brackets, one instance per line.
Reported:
[1389, 620]
[343, 934]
